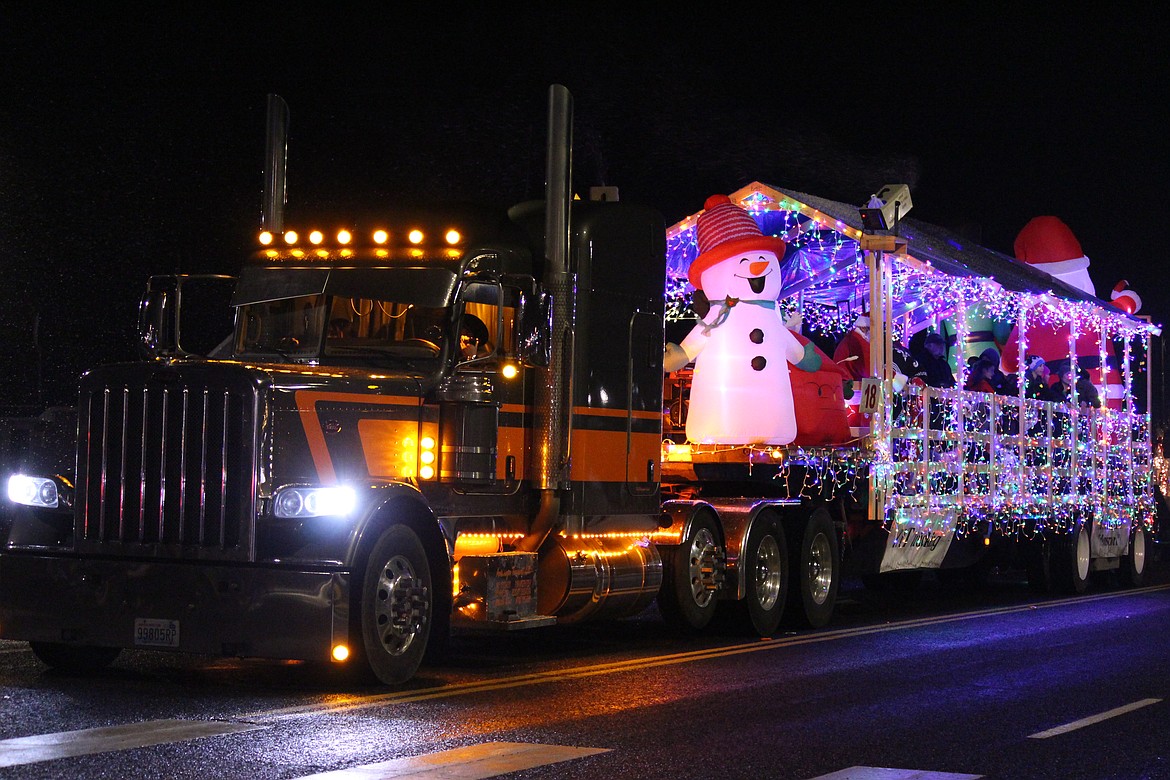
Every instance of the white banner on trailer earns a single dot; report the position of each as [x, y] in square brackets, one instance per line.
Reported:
[915, 545]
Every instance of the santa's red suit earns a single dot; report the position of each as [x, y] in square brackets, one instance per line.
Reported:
[1049, 245]
[852, 356]
[852, 352]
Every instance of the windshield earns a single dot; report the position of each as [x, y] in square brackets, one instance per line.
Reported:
[338, 328]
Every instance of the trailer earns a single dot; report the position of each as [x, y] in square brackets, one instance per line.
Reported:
[945, 478]
[464, 420]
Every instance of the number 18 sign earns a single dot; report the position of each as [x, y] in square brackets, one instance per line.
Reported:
[871, 395]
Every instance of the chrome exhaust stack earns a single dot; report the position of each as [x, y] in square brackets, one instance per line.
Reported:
[275, 193]
[554, 395]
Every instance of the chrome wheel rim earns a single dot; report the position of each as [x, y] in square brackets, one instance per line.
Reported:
[820, 568]
[399, 606]
[701, 567]
[768, 575]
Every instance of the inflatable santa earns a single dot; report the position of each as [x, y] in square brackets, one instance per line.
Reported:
[741, 392]
[1048, 245]
[1124, 298]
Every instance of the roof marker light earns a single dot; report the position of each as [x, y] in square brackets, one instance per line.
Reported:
[344, 236]
[290, 237]
[316, 237]
[381, 236]
[453, 236]
[265, 238]
[415, 237]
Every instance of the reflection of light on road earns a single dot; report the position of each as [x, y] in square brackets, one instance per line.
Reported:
[350, 703]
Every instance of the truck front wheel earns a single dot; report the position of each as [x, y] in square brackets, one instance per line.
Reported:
[396, 606]
[74, 659]
[815, 569]
[691, 575]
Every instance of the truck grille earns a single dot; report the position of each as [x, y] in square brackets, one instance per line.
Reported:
[167, 463]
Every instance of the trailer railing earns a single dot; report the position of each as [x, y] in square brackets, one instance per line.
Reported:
[991, 462]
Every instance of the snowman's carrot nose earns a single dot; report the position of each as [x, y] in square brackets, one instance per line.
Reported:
[758, 267]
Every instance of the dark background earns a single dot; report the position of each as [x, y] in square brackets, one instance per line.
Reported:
[132, 140]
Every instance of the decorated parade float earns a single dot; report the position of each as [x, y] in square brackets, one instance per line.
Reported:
[931, 476]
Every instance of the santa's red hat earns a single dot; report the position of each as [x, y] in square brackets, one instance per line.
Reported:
[1050, 245]
[725, 230]
[1125, 298]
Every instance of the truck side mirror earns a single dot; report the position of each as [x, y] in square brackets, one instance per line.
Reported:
[534, 329]
[182, 315]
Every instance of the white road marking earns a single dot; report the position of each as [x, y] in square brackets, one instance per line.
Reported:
[65, 744]
[467, 763]
[1089, 721]
[882, 773]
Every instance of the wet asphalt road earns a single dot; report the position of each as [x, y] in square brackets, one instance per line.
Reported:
[936, 680]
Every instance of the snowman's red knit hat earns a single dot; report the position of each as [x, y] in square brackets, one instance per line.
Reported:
[1050, 245]
[724, 230]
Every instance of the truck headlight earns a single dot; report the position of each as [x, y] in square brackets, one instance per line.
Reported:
[314, 502]
[32, 491]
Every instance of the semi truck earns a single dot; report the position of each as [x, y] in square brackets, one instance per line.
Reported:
[460, 420]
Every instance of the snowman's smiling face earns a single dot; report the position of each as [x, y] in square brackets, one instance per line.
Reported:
[747, 276]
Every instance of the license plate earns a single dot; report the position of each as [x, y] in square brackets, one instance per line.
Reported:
[151, 632]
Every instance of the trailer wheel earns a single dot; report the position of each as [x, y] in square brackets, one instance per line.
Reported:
[1070, 561]
[815, 564]
[74, 659]
[396, 606]
[765, 569]
[1039, 565]
[691, 576]
[1133, 565]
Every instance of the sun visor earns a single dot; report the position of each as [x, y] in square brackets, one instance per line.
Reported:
[429, 286]
[257, 285]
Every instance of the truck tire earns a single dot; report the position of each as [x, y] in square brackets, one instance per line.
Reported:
[816, 569]
[395, 613]
[1038, 563]
[74, 659]
[1070, 561]
[765, 567]
[690, 577]
[1133, 564]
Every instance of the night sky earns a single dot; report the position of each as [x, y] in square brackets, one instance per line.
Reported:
[131, 141]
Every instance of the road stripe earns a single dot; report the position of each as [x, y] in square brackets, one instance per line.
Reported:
[467, 763]
[882, 773]
[346, 704]
[1089, 721]
[66, 744]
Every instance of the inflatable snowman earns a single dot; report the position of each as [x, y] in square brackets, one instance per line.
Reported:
[741, 392]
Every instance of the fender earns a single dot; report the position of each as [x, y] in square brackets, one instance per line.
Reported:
[397, 502]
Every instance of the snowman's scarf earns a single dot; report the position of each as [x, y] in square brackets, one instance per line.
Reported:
[725, 307]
